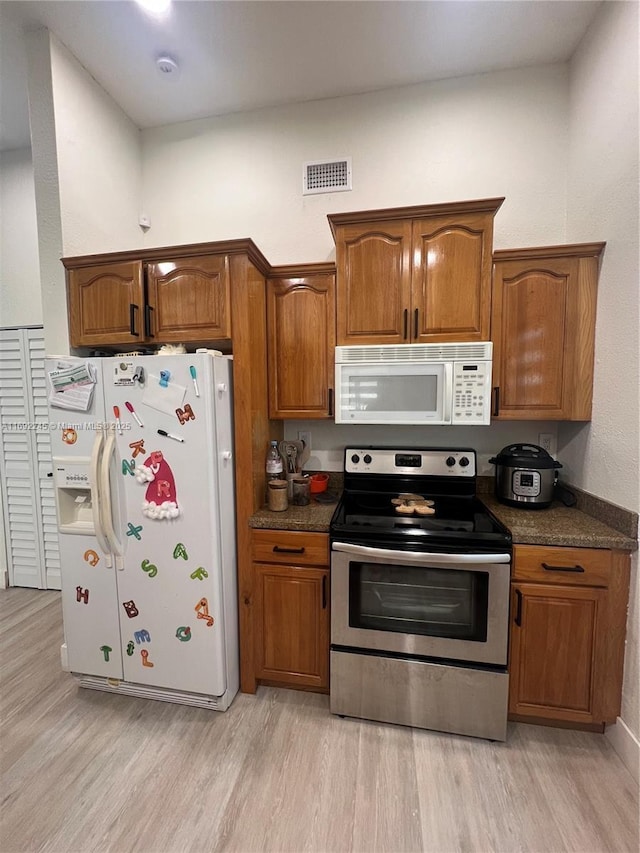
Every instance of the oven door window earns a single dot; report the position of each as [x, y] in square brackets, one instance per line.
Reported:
[449, 603]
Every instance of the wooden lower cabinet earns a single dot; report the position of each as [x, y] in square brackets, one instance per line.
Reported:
[290, 609]
[568, 622]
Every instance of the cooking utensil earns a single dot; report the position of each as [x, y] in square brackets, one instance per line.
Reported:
[292, 453]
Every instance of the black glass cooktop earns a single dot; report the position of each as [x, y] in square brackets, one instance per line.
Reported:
[459, 522]
[415, 499]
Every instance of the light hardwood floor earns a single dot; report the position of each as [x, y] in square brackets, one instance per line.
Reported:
[87, 771]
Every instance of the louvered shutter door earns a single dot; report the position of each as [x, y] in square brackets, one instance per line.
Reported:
[43, 467]
[18, 498]
[28, 499]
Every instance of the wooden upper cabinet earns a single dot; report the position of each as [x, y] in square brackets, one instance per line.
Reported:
[543, 331]
[301, 318]
[188, 299]
[374, 283]
[171, 294]
[451, 282]
[415, 274]
[106, 304]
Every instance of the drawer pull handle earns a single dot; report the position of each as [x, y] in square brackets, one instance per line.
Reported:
[278, 550]
[549, 568]
[324, 592]
[518, 619]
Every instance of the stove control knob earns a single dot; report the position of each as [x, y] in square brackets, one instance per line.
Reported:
[355, 458]
[367, 459]
[464, 462]
[450, 462]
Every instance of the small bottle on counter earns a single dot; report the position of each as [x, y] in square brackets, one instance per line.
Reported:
[274, 465]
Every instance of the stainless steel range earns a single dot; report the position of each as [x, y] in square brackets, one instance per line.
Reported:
[419, 594]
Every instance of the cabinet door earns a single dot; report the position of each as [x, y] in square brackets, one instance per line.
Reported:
[188, 300]
[301, 319]
[106, 304]
[529, 329]
[555, 631]
[292, 625]
[543, 331]
[373, 283]
[451, 278]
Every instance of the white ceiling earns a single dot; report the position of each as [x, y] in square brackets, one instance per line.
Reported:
[237, 55]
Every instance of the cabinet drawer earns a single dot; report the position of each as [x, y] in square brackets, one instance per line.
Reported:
[568, 566]
[290, 547]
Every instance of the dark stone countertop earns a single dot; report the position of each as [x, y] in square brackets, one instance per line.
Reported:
[314, 518]
[556, 525]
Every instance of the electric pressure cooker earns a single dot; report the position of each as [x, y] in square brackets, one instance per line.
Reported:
[525, 476]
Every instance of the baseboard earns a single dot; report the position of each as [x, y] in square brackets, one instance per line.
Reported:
[627, 745]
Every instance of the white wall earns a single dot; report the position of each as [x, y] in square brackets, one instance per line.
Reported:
[474, 137]
[99, 162]
[603, 204]
[87, 165]
[20, 299]
[45, 170]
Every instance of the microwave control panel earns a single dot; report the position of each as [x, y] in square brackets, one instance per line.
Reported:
[471, 392]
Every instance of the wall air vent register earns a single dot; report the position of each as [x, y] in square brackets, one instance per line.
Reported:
[326, 176]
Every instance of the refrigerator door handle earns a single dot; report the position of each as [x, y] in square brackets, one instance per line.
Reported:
[94, 466]
[117, 547]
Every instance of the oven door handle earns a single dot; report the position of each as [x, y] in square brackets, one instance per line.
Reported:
[423, 558]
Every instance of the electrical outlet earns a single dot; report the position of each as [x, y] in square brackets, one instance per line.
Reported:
[305, 435]
[547, 441]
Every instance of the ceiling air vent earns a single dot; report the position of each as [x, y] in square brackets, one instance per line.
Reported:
[326, 176]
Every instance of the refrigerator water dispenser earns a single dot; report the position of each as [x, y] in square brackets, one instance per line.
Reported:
[75, 512]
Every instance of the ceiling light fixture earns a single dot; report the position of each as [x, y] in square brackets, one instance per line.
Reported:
[158, 8]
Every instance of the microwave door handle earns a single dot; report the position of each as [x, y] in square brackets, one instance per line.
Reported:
[422, 558]
[448, 394]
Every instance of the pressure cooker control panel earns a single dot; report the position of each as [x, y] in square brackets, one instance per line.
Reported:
[526, 484]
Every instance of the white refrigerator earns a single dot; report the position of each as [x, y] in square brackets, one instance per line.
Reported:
[142, 449]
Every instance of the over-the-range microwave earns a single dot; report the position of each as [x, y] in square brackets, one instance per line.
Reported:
[414, 384]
